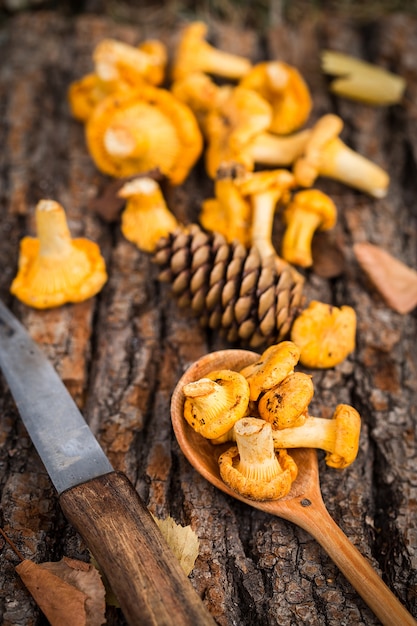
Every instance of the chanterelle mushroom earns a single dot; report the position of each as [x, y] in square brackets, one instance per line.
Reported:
[214, 403]
[273, 365]
[116, 61]
[253, 468]
[339, 436]
[200, 93]
[118, 67]
[146, 217]
[309, 210]
[194, 54]
[135, 131]
[325, 154]
[229, 213]
[285, 89]
[324, 334]
[231, 127]
[265, 189]
[53, 267]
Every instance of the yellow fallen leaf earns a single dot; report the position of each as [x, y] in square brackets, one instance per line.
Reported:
[182, 540]
[362, 81]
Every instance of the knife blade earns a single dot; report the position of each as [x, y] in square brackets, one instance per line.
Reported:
[98, 501]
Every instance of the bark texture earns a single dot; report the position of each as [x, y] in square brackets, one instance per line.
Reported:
[121, 353]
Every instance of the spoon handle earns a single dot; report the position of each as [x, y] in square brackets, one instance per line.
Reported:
[316, 520]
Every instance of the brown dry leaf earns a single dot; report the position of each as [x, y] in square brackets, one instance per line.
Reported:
[182, 540]
[68, 592]
[395, 281]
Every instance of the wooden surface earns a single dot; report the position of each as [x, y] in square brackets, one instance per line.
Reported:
[121, 353]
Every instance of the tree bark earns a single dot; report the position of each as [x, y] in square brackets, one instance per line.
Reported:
[121, 353]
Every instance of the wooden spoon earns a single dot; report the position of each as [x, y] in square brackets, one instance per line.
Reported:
[303, 506]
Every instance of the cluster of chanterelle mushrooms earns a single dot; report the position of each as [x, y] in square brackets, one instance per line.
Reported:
[263, 408]
[250, 130]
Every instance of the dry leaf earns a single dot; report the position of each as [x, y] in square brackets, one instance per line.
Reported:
[362, 81]
[395, 281]
[182, 540]
[68, 592]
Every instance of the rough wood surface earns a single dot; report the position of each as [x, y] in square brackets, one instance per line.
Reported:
[122, 352]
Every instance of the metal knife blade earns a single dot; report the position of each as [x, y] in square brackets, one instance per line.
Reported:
[70, 452]
[100, 503]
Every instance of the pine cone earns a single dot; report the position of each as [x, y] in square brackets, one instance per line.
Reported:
[250, 300]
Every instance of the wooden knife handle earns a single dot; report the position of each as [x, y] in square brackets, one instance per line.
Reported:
[144, 574]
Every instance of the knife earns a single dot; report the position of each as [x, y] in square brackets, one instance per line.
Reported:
[98, 501]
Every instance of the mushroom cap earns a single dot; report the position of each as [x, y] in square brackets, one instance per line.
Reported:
[136, 131]
[315, 202]
[264, 474]
[62, 269]
[214, 403]
[285, 89]
[146, 217]
[274, 364]
[324, 334]
[348, 426]
[284, 405]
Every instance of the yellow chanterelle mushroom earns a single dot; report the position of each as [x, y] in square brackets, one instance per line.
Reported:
[53, 267]
[339, 436]
[325, 154]
[310, 210]
[146, 217]
[214, 403]
[274, 364]
[253, 468]
[324, 334]
[195, 54]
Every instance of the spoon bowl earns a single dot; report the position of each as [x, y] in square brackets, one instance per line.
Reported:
[303, 505]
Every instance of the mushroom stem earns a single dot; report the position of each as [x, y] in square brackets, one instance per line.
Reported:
[194, 54]
[221, 63]
[309, 210]
[316, 432]
[52, 230]
[338, 436]
[253, 468]
[257, 458]
[264, 204]
[347, 166]
[270, 149]
[298, 236]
